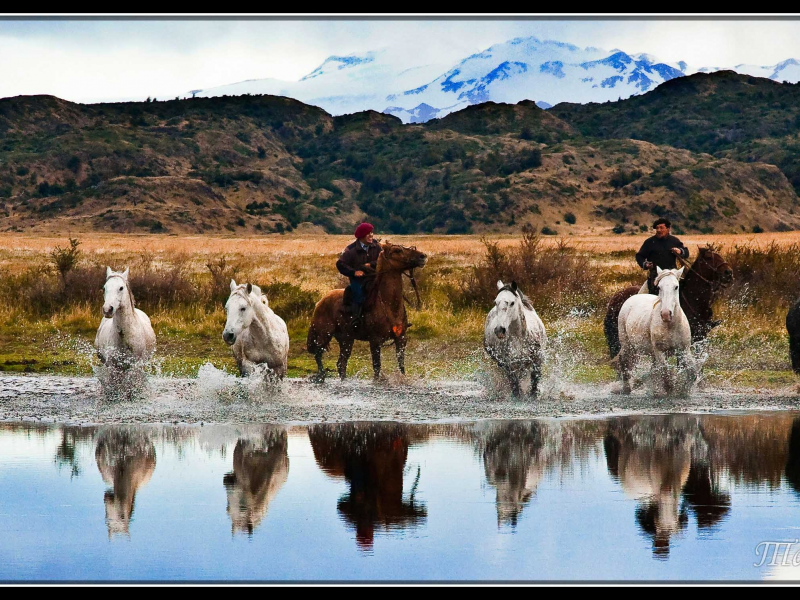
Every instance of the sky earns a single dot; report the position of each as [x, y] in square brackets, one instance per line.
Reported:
[119, 59]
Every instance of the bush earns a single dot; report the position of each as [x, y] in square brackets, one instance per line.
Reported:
[66, 259]
[764, 276]
[570, 218]
[290, 301]
[556, 278]
[619, 228]
[622, 177]
[547, 231]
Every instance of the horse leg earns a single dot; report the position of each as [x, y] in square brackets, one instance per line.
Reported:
[661, 373]
[626, 361]
[513, 379]
[375, 350]
[345, 348]
[794, 351]
[320, 376]
[400, 350]
[687, 368]
[536, 373]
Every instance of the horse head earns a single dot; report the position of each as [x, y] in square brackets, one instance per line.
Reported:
[712, 267]
[508, 314]
[116, 292]
[394, 257]
[668, 281]
[240, 310]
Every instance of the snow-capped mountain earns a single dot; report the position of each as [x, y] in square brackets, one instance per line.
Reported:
[546, 71]
[344, 84]
[550, 72]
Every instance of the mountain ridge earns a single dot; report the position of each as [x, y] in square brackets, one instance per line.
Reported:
[715, 152]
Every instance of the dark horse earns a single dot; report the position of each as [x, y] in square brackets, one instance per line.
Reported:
[384, 317]
[793, 327]
[700, 284]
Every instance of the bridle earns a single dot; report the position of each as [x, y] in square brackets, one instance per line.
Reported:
[714, 285]
[127, 287]
[409, 272]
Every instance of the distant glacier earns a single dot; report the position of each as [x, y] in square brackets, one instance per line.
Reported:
[547, 72]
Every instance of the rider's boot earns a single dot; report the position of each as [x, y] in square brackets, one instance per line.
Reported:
[356, 314]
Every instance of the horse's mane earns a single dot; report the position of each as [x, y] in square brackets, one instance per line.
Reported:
[526, 302]
[663, 274]
[241, 290]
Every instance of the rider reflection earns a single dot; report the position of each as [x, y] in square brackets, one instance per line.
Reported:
[371, 458]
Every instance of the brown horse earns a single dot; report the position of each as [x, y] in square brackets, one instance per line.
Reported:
[700, 285]
[384, 313]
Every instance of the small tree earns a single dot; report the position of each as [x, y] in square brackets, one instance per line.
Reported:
[65, 259]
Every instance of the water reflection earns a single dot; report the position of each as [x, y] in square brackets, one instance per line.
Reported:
[260, 469]
[663, 478]
[126, 459]
[792, 470]
[371, 457]
[512, 464]
[66, 453]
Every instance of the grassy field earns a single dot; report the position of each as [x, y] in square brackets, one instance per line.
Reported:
[48, 318]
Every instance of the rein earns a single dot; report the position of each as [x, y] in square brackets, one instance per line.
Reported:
[712, 284]
[411, 278]
[408, 272]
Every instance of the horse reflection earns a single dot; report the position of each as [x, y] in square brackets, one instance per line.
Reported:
[260, 468]
[513, 465]
[126, 459]
[792, 470]
[652, 460]
[371, 458]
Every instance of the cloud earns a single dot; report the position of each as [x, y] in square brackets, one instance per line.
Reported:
[133, 59]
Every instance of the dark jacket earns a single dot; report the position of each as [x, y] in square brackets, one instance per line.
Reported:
[355, 258]
[659, 252]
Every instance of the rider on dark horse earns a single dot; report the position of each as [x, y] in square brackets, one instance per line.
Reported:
[662, 251]
[358, 262]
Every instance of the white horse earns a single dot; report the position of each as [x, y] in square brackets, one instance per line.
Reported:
[125, 337]
[256, 334]
[655, 326]
[514, 337]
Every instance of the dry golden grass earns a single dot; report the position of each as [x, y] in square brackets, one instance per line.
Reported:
[322, 245]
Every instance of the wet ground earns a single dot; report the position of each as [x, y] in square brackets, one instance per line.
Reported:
[642, 497]
[217, 397]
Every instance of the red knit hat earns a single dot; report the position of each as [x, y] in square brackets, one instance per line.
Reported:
[362, 230]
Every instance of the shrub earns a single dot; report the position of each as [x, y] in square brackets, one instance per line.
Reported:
[289, 301]
[764, 276]
[570, 218]
[555, 277]
[65, 259]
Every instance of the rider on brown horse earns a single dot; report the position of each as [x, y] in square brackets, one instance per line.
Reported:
[660, 251]
[358, 262]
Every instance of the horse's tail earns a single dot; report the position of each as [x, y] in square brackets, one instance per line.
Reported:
[312, 343]
[611, 329]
